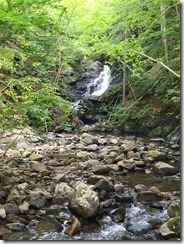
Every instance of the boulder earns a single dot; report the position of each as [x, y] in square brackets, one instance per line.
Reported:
[48, 224]
[155, 155]
[63, 190]
[149, 197]
[171, 228]
[100, 169]
[127, 164]
[174, 209]
[87, 139]
[84, 201]
[164, 169]
[11, 208]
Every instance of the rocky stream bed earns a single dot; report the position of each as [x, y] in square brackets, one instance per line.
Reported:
[89, 186]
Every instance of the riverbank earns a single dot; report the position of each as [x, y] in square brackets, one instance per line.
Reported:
[130, 178]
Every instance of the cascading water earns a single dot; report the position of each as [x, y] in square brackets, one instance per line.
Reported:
[98, 86]
[87, 104]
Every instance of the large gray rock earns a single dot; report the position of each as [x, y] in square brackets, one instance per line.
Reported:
[11, 208]
[84, 201]
[174, 209]
[164, 168]
[48, 224]
[63, 190]
[16, 196]
[87, 139]
[155, 155]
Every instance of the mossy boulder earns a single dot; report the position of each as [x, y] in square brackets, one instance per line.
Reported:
[171, 228]
[84, 201]
[155, 155]
[48, 224]
[174, 210]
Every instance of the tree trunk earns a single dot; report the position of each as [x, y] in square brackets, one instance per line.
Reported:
[163, 30]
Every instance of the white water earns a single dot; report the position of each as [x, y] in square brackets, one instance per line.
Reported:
[100, 84]
[136, 226]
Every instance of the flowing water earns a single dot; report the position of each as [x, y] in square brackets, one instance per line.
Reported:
[100, 84]
[96, 87]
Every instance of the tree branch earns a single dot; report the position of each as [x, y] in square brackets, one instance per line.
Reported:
[156, 61]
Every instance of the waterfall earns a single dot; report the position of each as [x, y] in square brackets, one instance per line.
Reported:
[98, 86]
[95, 88]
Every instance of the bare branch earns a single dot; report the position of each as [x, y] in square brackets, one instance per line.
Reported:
[156, 61]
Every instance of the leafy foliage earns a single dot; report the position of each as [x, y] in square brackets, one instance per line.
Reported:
[44, 43]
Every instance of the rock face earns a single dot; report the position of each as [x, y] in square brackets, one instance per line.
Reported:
[91, 72]
[84, 201]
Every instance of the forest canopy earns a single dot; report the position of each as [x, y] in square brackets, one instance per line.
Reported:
[43, 44]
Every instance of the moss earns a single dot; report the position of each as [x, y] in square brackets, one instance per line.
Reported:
[174, 224]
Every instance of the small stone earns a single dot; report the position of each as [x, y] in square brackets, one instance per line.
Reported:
[74, 228]
[2, 213]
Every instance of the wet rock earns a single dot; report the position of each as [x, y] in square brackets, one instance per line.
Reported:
[118, 215]
[107, 203]
[93, 179]
[139, 227]
[84, 201]
[40, 192]
[171, 228]
[140, 187]
[174, 209]
[16, 226]
[48, 224]
[63, 190]
[104, 185]
[59, 212]
[119, 188]
[164, 169]
[74, 228]
[37, 202]
[124, 198]
[11, 208]
[148, 197]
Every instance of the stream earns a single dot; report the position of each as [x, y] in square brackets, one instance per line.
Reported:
[125, 213]
[141, 220]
